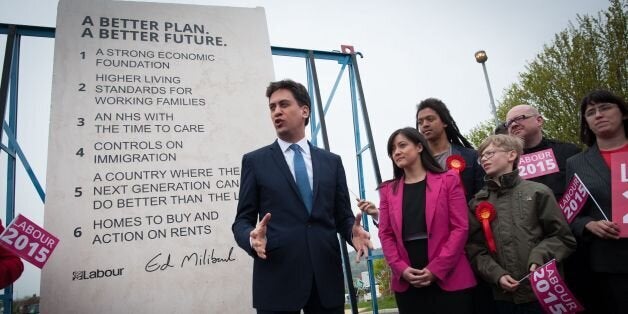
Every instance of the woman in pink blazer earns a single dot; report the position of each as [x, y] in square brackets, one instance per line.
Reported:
[423, 229]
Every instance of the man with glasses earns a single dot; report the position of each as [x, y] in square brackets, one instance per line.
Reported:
[525, 122]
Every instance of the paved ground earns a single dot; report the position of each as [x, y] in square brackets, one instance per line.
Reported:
[384, 311]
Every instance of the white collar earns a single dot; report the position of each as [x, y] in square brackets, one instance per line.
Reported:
[303, 143]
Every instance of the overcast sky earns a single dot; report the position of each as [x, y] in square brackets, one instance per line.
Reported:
[412, 50]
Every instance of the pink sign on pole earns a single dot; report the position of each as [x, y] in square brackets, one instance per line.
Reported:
[552, 293]
[574, 198]
[537, 164]
[619, 191]
[29, 241]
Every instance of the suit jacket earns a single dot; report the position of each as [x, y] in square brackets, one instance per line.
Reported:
[300, 247]
[447, 228]
[610, 256]
[473, 174]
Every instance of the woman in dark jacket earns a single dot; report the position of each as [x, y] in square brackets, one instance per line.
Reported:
[604, 129]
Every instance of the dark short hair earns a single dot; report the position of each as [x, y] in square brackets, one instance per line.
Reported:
[501, 128]
[453, 133]
[597, 97]
[299, 92]
[427, 159]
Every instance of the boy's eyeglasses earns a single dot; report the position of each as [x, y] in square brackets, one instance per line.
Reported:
[488, 155]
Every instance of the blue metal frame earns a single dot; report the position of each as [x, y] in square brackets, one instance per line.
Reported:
[13, 58]
[359, 151]
[317, 125]
[15, 149]
[331, 94]
[28, 30]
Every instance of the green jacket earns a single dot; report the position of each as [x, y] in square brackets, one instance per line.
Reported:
[529, 228]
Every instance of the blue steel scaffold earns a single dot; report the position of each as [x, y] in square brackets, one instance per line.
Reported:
[347, 60]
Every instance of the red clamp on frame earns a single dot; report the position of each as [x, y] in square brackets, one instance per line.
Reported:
[347, 49]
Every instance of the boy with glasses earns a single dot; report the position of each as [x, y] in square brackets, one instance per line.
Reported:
[525, 122]
[515, 226]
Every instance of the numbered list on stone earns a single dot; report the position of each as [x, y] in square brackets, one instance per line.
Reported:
[153, 107]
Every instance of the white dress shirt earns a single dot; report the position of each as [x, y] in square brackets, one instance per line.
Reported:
[288, 154]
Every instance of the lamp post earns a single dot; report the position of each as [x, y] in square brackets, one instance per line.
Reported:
[481, 57]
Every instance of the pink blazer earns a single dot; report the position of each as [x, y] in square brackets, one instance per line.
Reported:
[446, 216]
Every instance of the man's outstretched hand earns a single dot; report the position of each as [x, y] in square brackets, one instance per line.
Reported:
[258, 237]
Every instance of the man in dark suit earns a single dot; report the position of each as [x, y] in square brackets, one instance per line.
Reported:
[301, 193]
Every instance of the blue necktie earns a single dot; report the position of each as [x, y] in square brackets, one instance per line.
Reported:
[300, 173]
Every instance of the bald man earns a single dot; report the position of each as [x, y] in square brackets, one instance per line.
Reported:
[526, 122]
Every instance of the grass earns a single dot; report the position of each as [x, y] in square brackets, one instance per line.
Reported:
[387, 302]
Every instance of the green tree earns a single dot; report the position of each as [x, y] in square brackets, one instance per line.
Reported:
[590, 54]
[383, 274]
[480, 132]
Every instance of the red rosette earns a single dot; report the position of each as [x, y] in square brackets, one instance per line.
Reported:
[456, 163]
[485, 213]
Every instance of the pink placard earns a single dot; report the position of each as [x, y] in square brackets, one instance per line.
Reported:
[619, 191]
[574, 198]
[29, 241]
[537, 164]
[551, 291]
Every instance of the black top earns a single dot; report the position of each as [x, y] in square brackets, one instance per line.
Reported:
[414, 226]
[555, 181]
[473, 175]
